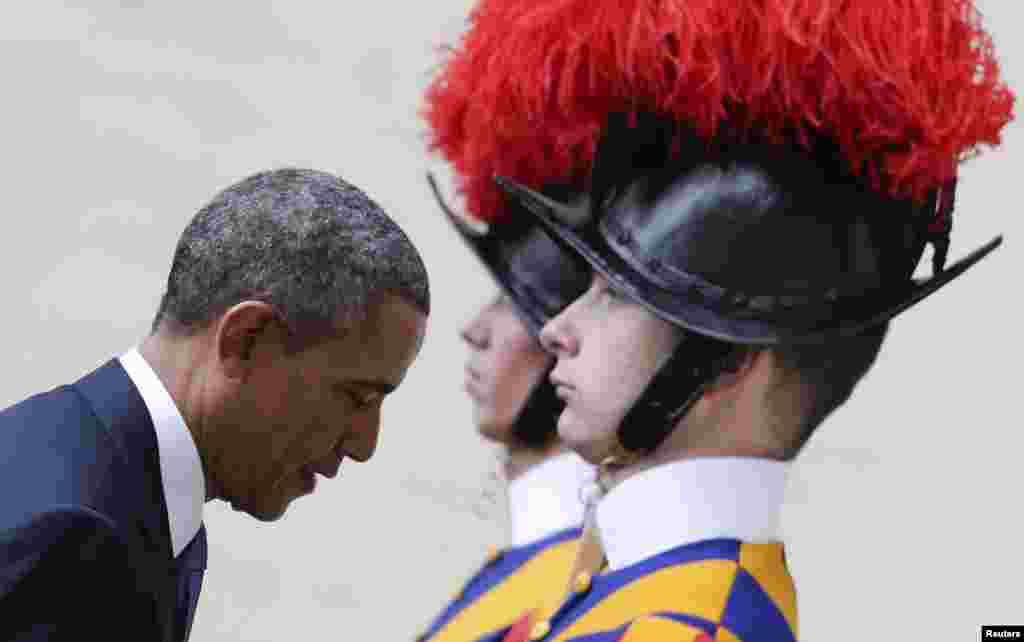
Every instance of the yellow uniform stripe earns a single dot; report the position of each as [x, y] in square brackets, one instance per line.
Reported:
[698, 588]
[527, 588]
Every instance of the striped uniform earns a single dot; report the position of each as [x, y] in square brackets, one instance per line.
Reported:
[724, 579]
[545, 515]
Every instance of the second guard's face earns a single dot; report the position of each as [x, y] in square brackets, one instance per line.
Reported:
[608, 349]
[308, 411]
[505, 362]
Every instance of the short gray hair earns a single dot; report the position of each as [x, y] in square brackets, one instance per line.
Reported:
[306, 242]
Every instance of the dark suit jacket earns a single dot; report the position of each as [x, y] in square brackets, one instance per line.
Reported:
[85, 543]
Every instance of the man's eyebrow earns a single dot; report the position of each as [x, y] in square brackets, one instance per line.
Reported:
[379, 386]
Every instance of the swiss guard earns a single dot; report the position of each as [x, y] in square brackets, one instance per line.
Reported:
[515, 404]
[762, 179]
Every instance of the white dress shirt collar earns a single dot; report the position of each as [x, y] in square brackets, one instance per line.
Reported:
[688, 501]
[546, 498]
[181, 470]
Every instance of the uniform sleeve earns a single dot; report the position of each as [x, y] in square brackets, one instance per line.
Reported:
[65, 575]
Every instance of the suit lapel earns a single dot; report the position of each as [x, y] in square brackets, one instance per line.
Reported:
[142, 508]
[119, 406]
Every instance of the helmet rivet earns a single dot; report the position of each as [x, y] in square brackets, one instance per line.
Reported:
[762, 303]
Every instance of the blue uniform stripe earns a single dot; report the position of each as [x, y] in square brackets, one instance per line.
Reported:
[698, 622]
[752, 615]
[614, 635]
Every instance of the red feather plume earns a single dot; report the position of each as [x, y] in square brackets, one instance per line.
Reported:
[908, 88]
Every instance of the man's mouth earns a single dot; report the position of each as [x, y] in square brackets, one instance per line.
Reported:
[309, 478]
[310, 471]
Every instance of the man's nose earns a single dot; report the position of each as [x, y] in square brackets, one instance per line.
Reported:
[362, 442]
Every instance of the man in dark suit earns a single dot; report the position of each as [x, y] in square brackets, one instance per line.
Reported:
[294, 305]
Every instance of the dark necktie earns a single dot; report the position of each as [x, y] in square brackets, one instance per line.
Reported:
[190, 566]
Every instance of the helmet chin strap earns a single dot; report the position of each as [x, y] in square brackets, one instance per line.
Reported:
[535, 426]
[671, 393]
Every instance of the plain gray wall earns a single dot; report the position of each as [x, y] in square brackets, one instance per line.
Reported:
[121, 119]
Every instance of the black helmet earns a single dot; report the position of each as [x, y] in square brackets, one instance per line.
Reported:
[540, 278]
[741, 244]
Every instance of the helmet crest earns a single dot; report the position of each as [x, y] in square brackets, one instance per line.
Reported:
[906, 89]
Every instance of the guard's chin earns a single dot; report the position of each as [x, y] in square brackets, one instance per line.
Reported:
[492, 430]
[575, 436]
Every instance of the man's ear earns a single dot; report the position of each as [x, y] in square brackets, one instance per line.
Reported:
[246, 329]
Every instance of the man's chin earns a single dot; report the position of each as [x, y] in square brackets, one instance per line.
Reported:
[268, 516]
[264, 511]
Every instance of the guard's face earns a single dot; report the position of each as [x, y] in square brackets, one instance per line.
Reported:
[608, 349]
[299, 415]
[505, 362]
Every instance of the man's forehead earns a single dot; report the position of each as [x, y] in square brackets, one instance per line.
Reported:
[386, 316]
[390, 313]
[384, 343]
